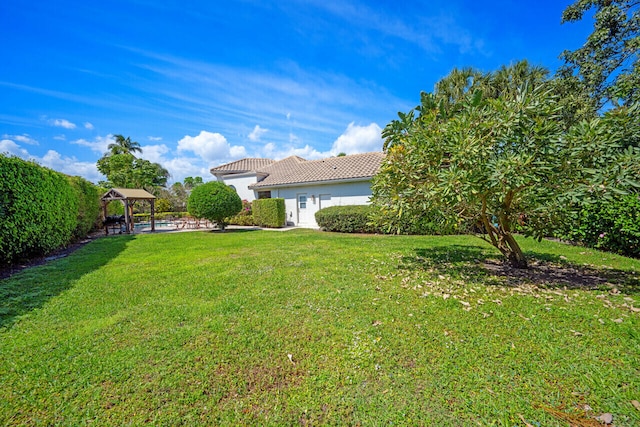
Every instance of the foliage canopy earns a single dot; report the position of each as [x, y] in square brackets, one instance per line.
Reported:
[608, 63]
[126, 171]
[493, 152]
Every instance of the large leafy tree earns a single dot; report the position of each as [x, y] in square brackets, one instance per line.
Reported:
[492, 152]
[122, 145]
[123, 169]
[608, 63]
[181, 190]
[191, 182]
[126, 171]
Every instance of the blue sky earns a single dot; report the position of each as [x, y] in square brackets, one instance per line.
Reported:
[201, 83]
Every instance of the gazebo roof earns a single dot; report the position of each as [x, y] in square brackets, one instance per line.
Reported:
[127, 194]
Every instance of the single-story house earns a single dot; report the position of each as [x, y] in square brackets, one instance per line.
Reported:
[306, 185]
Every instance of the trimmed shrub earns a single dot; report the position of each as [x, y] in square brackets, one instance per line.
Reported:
[88, 196]
[347, 219]
[39, 209]
[245, 216]
[612, 226]
[214, 201]
[269, 213]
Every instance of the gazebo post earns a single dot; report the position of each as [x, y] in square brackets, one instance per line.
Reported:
[153, 216]
[105, 203]
[131, 221]
[127, 219]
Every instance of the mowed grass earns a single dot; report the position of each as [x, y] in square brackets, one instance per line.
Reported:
[311, 328]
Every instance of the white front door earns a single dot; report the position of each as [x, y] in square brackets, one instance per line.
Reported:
[304, 210]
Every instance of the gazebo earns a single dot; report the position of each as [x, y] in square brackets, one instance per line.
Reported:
[127, 196]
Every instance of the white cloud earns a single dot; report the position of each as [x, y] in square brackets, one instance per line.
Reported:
[24, 138]
[62, 123]
[307, 152]
[155, 138]
[99, 145]
[358, 139]
[70, 166]
[257, 133]
[88, 125]
[8, 146]
[155, 153]
[355, 139]
[212, 147]
[60, 138]
[237, 152]
[268, 150]
[182, 167]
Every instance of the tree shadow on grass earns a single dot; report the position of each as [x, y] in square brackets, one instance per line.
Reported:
[477, 264]
[32, 287]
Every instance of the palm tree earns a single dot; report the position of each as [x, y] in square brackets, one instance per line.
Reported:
[124, 145]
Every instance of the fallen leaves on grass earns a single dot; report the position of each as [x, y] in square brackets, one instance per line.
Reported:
[606, 418]
[541, 282]
[575, 420]
[527, 424]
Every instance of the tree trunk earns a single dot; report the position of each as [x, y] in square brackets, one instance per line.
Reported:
[502, 239]
[515, 256]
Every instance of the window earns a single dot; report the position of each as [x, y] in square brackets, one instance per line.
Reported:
[264, 194]
[302, 202]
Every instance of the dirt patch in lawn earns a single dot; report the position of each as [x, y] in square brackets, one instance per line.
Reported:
[549, 274]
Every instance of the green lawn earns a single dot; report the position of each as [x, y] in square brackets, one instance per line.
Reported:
[310, 328]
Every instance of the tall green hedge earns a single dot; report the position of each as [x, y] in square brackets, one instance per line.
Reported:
[40, 209]
[88, 196]
[347, 219]
[269, 212]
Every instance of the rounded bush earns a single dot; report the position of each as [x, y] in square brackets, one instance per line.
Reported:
[214, 201]
[346, 219]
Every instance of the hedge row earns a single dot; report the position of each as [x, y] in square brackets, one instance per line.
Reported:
[347, 219]
[88, 196]
[610, 225]
[269, 212]
[245, 216]
[41, 209]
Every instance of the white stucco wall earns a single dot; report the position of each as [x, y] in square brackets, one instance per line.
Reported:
[241, 183]
[321, 196]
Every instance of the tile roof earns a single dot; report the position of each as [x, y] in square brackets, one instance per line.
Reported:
[241, 166]
[127, 193]
[295, 170]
